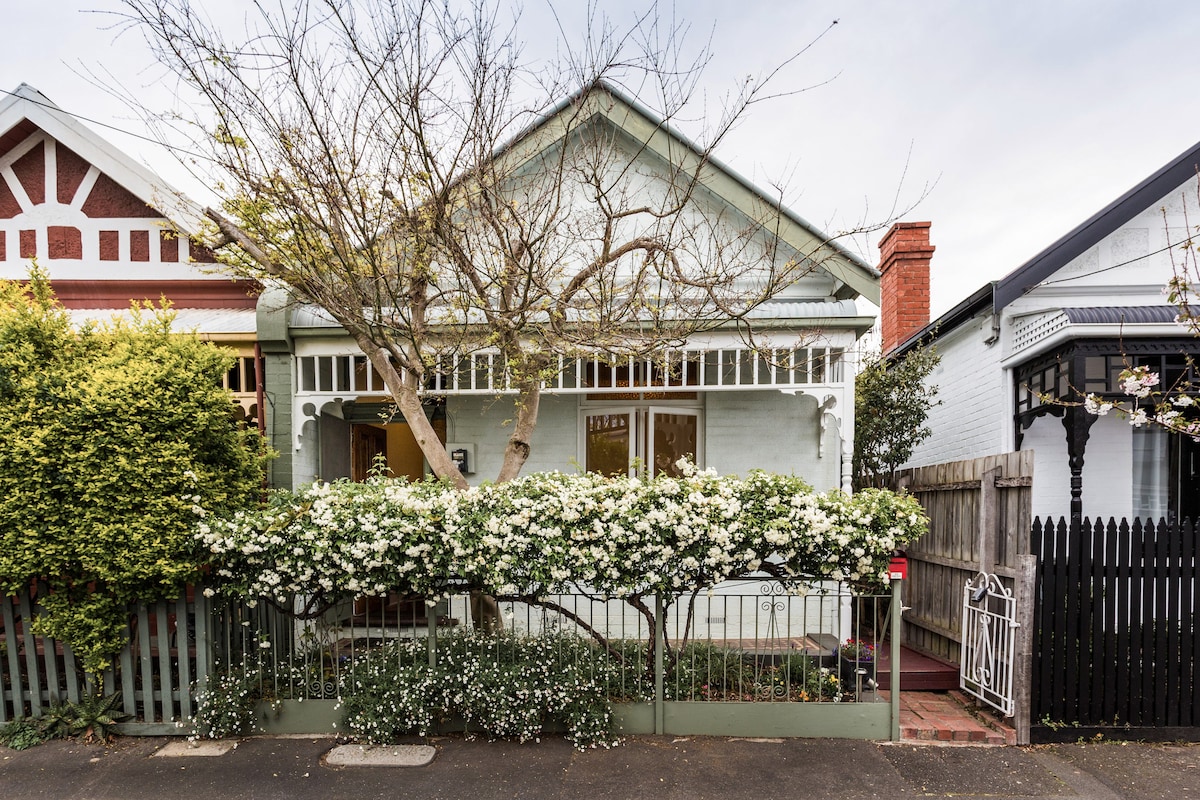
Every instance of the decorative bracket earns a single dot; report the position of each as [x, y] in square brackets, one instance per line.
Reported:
[825, 416]
[305, 409]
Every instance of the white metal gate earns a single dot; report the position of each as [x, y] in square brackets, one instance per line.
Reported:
[989, 640]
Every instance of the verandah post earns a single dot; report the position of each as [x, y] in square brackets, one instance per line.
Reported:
[894, 667]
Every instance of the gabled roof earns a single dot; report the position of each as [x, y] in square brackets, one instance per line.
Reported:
[998, 294]
[656, 135]
[1096, 227]
[26, 108]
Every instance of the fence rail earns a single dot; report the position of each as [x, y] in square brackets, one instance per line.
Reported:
[758, 626]
[1116, 643]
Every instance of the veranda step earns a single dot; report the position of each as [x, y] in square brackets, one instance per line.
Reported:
[918, 671]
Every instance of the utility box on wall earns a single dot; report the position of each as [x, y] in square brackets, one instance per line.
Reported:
[463, 455]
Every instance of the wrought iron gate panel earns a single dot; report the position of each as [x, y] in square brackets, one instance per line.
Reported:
[989, 640]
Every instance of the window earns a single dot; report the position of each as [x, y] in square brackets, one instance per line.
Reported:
[1166, 475]
[639, 438]
[1150, 473]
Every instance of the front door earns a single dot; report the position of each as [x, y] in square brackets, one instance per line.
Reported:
[367, 442]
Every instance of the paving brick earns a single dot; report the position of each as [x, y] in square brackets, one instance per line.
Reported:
[928, 716]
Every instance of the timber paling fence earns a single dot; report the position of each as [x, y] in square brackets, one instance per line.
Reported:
[1116, 649]
[746, 658]
[979, 518]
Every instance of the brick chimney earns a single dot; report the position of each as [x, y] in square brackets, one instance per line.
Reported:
[904, 290]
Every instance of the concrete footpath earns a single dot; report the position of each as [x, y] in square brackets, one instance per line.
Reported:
[661, 768]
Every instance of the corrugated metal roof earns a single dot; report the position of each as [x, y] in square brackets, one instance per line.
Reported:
[1117, 315]
[200, 320]
[310, 316]
[805, 309]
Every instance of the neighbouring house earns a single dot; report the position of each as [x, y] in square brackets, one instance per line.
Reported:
[1066, 322]
[785, 406]
[109, 232]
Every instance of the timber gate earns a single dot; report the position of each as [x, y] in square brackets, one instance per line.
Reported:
[979, 513]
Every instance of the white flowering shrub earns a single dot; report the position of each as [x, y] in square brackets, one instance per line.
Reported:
[517, 687]
[498, 684]
[334, 540]
[554, 532]
[226, 707]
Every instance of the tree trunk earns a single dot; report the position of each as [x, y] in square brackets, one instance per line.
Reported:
[517, 451]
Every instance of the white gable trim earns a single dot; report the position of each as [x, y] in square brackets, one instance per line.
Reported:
[28, 103]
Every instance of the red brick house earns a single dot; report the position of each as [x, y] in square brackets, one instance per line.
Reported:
[108, 231]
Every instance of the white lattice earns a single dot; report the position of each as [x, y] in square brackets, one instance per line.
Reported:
[1030, 330]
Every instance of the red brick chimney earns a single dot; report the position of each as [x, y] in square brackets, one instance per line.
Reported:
[904, 290]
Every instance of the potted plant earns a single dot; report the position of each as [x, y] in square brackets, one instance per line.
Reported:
[856, 658]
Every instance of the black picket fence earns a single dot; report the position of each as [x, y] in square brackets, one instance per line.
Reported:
[1116, 652]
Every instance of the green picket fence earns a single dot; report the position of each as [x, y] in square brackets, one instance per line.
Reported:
[169, 654]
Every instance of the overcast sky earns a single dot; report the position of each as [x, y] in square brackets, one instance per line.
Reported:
[1009, 121]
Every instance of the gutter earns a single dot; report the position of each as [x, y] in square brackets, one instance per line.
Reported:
[983, 298]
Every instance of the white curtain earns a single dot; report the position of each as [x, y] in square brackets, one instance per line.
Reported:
[1151, 472]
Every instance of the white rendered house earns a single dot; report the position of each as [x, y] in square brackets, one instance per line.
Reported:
[783, 402]
[1064, 324]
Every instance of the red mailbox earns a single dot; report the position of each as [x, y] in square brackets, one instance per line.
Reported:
[898, 569]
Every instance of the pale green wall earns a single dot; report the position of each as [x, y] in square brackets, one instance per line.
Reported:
[772, 431]
[481, 421]
[742, 431]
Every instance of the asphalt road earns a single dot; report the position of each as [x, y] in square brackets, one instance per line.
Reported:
[657, 768]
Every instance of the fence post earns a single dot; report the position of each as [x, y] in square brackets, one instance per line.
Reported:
[431, 616]
[989, 519]
[1025, 591]
[205, 639]
[34, 683]
[894, 667]
[660, 641]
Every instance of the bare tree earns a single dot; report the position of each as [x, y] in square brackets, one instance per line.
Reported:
[383, 161]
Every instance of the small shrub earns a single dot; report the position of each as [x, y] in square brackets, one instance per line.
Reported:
[501, 684]
[21, 734]
[95, 717]
[821, 684]
[705, 671]
[226, 707]
[58, 722]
